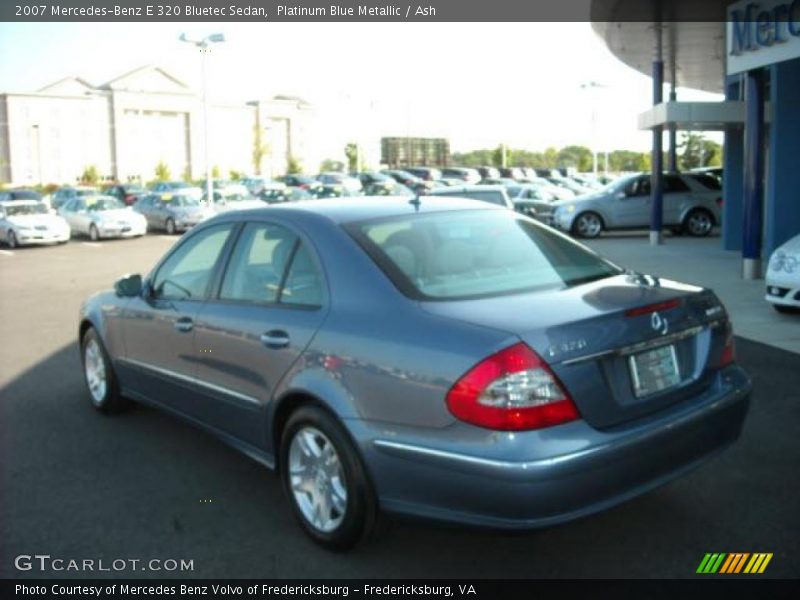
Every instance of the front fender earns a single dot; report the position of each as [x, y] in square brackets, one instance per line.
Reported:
[102, 311]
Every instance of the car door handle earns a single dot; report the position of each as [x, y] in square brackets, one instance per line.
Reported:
[184, 324]
[275, 339]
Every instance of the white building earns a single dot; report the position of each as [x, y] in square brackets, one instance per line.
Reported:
[127, 126]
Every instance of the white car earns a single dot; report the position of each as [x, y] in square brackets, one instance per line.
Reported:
[783, 276]
[235, 197]
[102, 217]
[25, 222]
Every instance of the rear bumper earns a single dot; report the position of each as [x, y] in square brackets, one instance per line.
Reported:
[604, 469]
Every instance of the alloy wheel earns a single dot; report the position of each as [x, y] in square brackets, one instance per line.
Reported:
[11, 239]
[95, 368]
[699, 223]
[588, 225]
[317, 481]
[94, 235]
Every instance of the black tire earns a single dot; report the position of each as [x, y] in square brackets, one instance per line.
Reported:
[169, 225]
[11, 239]
[361, 508]
[111, 402]
[594, 225]
[94, 234]
[786, 310]
[698, 223]
[677, 231]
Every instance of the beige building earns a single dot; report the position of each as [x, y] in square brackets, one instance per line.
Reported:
[127, 126]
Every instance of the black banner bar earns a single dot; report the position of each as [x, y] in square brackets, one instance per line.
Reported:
[253, 589]
[364, 11]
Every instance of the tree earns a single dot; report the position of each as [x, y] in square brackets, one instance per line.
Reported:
[579, 157]
[90, 175]
[293, 166]
[216, 173]
[235, 175]
[698, 151]
[330, 164]
[260, 149]
[187, 174]
[352, 154]
[162, 171]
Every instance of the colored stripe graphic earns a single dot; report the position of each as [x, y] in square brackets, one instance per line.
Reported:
[711, 563]
[735, 562]
[758, 563]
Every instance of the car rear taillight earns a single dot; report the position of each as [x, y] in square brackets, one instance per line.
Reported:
[511, 390]
[728, 352]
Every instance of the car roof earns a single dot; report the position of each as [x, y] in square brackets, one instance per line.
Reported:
[361, 208]
[468, 188]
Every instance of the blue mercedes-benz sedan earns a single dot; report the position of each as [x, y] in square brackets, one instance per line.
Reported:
[436, 357]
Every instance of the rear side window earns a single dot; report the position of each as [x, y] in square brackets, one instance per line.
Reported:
[256, 268]
[707, 181]
[471, 254]
[270, 265]
[673, 184]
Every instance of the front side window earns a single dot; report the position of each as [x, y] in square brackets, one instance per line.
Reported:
[469, 254]
[186, 273]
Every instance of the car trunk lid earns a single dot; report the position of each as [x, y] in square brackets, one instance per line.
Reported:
[623, 347]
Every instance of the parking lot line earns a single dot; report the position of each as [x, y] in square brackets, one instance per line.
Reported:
[6, 253]
[92, 244]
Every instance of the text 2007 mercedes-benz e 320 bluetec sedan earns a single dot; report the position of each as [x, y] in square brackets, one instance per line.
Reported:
[442, 358]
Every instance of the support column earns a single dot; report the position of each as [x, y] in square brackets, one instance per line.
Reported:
[657, 159]
[753, 174]
[732, 183]
[672, 165]
[783, 175]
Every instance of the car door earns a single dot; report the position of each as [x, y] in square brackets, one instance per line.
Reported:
[677, 195]
[631, 208]
[160, 361]
[145, 208]
[74, 211]
[271, 300]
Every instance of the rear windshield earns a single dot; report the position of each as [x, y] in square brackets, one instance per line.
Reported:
[475, 253]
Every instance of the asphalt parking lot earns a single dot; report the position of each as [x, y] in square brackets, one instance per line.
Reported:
[76, 484]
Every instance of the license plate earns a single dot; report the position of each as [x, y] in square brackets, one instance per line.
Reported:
[654, 370]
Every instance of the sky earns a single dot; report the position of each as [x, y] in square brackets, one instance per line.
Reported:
[478, 84]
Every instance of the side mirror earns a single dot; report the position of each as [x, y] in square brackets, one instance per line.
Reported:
[128, 286]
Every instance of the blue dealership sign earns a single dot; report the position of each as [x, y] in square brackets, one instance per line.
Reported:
[762, 33]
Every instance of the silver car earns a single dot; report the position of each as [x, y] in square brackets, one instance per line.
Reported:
[172, 212]
[689, 207]
[102, 217]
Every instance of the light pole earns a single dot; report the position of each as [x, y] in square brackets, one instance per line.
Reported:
[35, 128]
[593, 85]
[204, 44]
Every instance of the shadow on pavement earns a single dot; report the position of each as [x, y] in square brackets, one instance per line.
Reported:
[77, 484]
